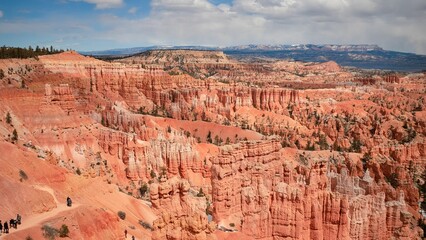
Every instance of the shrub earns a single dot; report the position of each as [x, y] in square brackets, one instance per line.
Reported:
[145, 224]
[121, 215]
[310, 146]
[143, 189]
[200, 193]
[49, 232]
[141, 110]
[422, 189]
[153, 175]
[303, 160]
[103, 121]
[232, 224]
[356, 146]
[422, 225]
[297, 143]
[23, 175]
[28, 238]
[366, 159]
[209, 137]
[411, 134]
[323, 142]
[393, 180]
[64, 231]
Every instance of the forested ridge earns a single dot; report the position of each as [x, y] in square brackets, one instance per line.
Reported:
[18, 52]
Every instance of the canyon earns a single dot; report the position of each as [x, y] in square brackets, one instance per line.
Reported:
[192, 144]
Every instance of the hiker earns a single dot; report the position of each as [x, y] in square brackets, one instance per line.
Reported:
[18, 219]
[12, 223]
[125, 233]
[1, 227]
[133, 237]
[6, 227]
[69, 202]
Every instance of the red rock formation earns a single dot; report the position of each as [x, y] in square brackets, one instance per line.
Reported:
[353, 152]
[62, 96]
[148, 150]
[271, 196]
[181, 215]
[392, 79]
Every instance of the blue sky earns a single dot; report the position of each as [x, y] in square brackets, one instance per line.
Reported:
[107, 24]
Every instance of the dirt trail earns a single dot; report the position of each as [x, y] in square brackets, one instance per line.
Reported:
[37, 219]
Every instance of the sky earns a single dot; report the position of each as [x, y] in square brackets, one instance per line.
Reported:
[86, 25]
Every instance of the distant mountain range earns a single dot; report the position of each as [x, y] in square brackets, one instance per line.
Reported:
[361, 56]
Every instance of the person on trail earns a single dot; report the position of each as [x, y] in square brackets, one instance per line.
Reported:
[12, 223]
[6, 227]
[18, 219]
[1, 227]
[133, 237]
[69, 202]
[125, 233]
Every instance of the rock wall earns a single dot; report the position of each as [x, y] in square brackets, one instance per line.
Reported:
[180, 217]
[178, 95]
[269, 195]
[61, 96]
[143, 149]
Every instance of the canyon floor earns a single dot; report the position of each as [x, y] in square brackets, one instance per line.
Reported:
[186, 144]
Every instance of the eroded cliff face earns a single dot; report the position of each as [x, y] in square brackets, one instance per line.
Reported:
[267, 193]
[203, 145]
[181, 215]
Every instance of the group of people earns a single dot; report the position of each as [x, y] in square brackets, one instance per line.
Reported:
[13, 223]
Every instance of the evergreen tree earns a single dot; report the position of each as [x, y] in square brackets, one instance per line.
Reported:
[356, 146]
[209, 137]
[8, 118]
[17, 52]
[14, 135]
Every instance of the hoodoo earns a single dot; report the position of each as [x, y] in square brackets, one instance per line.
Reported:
[185, 144]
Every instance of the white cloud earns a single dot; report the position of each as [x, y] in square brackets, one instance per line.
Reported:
[104, 4]
[1, 13]
[133, 10]
[392, 24]
[181, 6]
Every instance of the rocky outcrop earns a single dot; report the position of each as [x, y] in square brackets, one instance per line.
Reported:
[61, 96]
[392, 79]
[403, 153]
[149, 87]
[269, 195]
[143, 150]
[181, 215]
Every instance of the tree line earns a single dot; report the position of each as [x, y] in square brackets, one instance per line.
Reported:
[18, 52]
